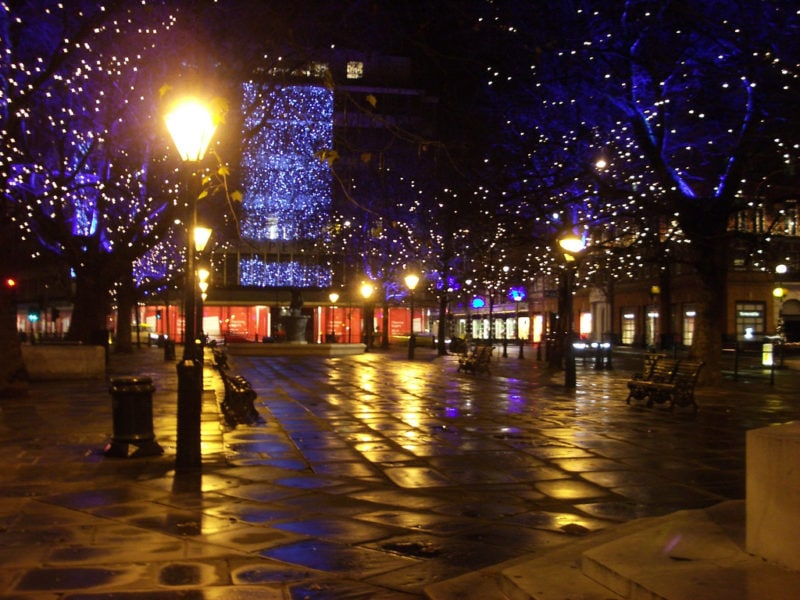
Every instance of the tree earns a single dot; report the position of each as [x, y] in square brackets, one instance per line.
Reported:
[79, 88]
[688, 103]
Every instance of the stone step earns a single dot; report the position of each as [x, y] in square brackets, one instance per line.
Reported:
[695, 554]
[687, 555]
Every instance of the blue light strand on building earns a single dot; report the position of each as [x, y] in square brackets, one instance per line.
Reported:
[260, 273]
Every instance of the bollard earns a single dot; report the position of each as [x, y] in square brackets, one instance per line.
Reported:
[132, 413]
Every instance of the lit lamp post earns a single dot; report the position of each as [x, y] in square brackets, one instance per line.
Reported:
[333, 297]
[191, 126]
[411, 283]
[572, 246]
[779, 292]
[517, 294]
[366, 293]
[201, 237]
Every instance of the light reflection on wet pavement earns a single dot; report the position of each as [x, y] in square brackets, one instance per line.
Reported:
[372, 476]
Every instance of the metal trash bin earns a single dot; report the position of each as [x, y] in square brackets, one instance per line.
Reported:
[132, 413]
[169, 349]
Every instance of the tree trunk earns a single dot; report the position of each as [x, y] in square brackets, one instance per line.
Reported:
[441, 332]
[710, 260]
[91, 307]
[126, 302]
[13, 377]
[386, 323]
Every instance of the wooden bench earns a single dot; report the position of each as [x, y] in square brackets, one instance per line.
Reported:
[657, 369]
[476, 361]
[679, 391]
[238, 406]
[669, 380]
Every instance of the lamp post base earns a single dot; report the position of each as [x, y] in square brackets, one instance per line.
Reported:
[570, 376]
[190, 397]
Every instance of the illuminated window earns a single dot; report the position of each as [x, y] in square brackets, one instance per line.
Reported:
[628, 326]
[355, 69]
[749, 320]
[689, 315]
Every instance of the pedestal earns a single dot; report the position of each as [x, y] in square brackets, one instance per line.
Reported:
[295, 326]
[773, 494]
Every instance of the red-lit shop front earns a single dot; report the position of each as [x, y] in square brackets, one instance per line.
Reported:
[263, 323]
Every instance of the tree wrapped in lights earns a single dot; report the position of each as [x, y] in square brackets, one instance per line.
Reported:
[78, 91]
[690, 104]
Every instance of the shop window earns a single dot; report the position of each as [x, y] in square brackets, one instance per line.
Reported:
[628, 327]
[687, 327]
[749, 320]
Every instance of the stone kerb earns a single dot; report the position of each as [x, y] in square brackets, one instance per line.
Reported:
[52, 362]
[773, 494]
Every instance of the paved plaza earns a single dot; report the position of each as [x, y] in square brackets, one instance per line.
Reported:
[371, 477]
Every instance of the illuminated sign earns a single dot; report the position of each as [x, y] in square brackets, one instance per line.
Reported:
[516, 294]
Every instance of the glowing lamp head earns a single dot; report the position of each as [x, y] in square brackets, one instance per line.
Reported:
[572, 244]
[191, 126]
[366, 290]
[411, 281]
[201, 237]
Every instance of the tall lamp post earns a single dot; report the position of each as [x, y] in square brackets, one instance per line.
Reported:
[517, 294]
[366, 293]
[571, 245]
[191, 126]
[411, 283]
[333, 297]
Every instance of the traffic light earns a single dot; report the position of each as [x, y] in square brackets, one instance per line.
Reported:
[158, 313]
[33, 315]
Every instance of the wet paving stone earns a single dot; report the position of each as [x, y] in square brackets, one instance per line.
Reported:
[614, 511]
[417, 477]
[74, 578]
[570, 489]
[252, 539]
[568, 523]
[344, 590]
[252, 572]
[417, 521]
[249, 512]
[336, 530]
[331, 557]
[180, 574]
[614, 479]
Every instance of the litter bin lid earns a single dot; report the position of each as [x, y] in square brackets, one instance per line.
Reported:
[132, 384]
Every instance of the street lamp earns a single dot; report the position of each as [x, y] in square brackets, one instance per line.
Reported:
[366, 293]
[517, 294]
[411, 283]
[572, 246]
[333, 297]
[191, 127]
